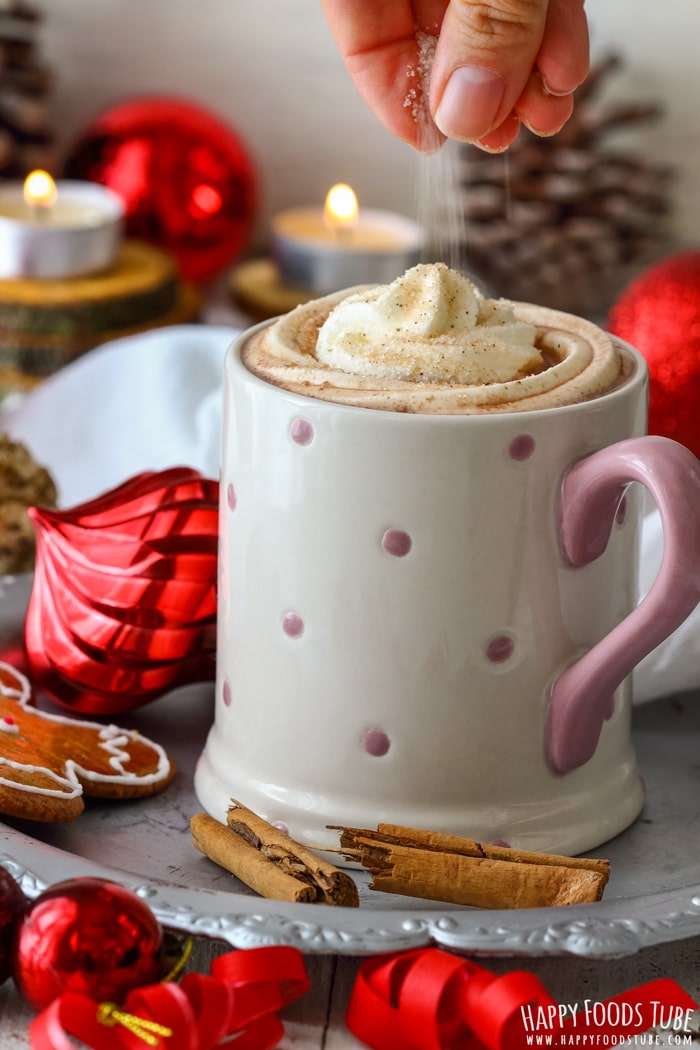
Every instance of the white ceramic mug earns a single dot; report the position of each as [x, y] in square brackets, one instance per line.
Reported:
[430, 620]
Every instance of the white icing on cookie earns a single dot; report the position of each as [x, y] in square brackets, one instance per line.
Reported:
[113, 739]
[65, 788]
[22, 694]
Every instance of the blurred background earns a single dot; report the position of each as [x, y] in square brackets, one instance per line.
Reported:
[566, 221]
[270, 68]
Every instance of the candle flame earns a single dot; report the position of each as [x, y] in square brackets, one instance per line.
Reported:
[39, 189]
[341, 210]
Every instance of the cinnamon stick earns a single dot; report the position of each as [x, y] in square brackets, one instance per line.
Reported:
[230, 851]
[269, 861]
[456, 870]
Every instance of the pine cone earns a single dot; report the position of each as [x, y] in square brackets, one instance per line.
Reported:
[26, 138]
[566, 221]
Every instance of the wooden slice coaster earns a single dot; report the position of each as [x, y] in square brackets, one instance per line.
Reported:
[257, 289]
[28, 357]
[138, 289]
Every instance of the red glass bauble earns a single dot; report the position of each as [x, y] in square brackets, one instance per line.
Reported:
[13, 905]
[89, 936]
[659, 314]
[187, 180]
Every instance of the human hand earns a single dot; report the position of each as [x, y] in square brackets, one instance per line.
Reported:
[497, 64]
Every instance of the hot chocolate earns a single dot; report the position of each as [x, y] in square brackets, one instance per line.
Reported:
[431, 343]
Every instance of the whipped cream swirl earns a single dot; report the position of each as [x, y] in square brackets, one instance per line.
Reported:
[431, 325]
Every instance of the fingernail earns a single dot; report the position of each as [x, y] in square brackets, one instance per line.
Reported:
[469, 103]
[543, 134]
[551, 91]
[502, 137]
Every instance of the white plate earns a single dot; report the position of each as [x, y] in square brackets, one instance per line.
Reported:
[653, 894]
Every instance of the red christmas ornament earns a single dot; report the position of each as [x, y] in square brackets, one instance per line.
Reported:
[659, 314]
[88, 936]
[187, 180]
[123, 606]
[13, 905]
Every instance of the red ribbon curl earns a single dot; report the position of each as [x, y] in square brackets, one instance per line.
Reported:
[431, 1000]
[240, 998]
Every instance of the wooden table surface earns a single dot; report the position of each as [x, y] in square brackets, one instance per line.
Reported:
[316, 1022]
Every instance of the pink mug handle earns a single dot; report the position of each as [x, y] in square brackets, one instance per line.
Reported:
[582, 695]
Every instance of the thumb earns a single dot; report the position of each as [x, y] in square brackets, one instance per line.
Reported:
[483, 60]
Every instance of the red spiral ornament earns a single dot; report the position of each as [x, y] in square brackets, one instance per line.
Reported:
[123, 606]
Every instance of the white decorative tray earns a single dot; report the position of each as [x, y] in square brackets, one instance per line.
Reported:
[653, 894]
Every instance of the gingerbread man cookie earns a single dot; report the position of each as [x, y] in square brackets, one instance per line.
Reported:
[48, 762]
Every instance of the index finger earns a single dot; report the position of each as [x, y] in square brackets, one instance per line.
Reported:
[379, 43]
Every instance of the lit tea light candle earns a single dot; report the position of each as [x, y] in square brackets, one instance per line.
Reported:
[340, 245]
[62, 229]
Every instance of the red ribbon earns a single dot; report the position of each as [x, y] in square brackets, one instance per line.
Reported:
[240, 998]
[431, 1000]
